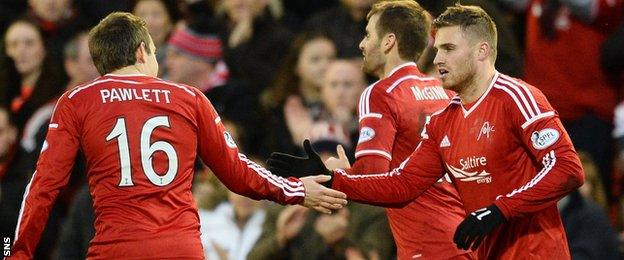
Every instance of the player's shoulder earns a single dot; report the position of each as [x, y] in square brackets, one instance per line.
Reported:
[516, 92]
[442, 113]
[116, 81]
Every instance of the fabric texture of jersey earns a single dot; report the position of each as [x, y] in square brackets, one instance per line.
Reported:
[508, 148]
[140, 136]
[392, 113]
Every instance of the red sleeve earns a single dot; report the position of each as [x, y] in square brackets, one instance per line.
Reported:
[52, 173]
[218, 151]
[560, 173]
[399, 186]
[377, 125]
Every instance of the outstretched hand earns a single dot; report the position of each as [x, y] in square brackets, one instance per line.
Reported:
[321, 198]
[341, 162]
[287, 165]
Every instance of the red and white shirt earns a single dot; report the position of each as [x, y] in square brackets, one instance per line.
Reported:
[140, 136]
[508, 148]
[392, 113]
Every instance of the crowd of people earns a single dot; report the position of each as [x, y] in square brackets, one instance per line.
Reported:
[279, 72]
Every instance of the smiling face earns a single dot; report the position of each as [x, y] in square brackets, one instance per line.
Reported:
[374, 59]
[455, 58]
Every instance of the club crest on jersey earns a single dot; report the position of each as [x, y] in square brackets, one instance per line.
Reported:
[486, 130]
[366, 134]
[544, 138]
[229, 140]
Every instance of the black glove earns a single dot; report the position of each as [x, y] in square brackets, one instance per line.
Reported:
[287, 165]
[476, 226]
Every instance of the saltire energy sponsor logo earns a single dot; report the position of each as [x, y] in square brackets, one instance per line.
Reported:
[467, 164]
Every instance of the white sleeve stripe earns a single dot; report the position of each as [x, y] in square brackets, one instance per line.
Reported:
[363, 101]
[522, 110]
[367, 103]
[375, 115]
[289, 188]
[528, 92]
[538, 117]
[524, 93]
[549, 161]
[21, 212]
[525, 102]
[369, 152]
[394, 172]
[267, 172]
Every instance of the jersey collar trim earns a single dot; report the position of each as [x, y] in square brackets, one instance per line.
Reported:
[397, 68]
[467, 112]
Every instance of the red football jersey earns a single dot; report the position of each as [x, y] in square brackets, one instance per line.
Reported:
[508, 148]
[393, 112]
[140, 136]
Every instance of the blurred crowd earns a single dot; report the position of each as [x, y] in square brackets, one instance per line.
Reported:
[279, 72]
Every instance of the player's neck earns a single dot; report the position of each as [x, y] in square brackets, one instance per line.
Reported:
[477, 86]
[392, 62]
[128, 70]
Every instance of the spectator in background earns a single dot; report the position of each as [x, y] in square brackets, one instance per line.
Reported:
[562, 57]
[344, 24]
[355, 232]
[8, 136]
[342, 84]
[161, 17]
[255, 41]
[58, 21]
[28, 75]
[293, 102]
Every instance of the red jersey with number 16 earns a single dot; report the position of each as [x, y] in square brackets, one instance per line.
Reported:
[508, 148]
[393, 112]
[140, 136]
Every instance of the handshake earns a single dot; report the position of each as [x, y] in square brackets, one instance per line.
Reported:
[314, 174]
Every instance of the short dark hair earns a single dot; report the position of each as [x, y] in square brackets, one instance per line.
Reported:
[408, 21]
[114, 41]
[471, 19]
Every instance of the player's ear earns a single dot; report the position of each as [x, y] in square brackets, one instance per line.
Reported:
[389, 41]
[141, 53]
[485, 51]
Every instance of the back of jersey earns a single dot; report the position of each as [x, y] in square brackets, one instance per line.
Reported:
[139, 136]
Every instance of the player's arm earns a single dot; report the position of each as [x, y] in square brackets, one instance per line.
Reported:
[239, 174]
[377, 126]
[545, 138]
[51, 174]
[388, 189]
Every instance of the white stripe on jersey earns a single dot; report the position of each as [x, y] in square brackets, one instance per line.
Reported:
[78, 89]
[549, 161]
[375, 115]
[399, 81]
[395, 171]
[540, 116]
[289, 188]
[371, 151]
[528, 92]
[21, 212]
[531, 108]
[515, 98]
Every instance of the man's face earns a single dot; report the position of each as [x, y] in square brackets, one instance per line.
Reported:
[25, 46]
[183, 68]
[50, 10]
[374, 60]
[151, 62]
[83, 67]
[455, 58]
[342, 85]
